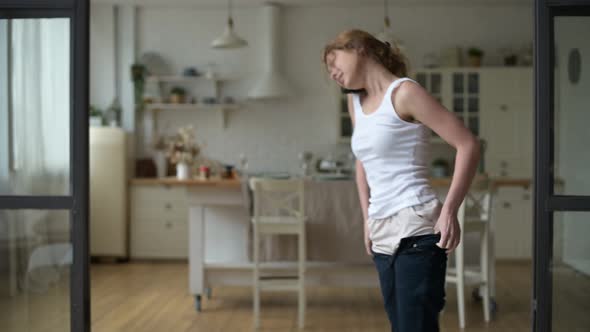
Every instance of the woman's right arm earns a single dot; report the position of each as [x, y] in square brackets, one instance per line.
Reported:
[361, 185]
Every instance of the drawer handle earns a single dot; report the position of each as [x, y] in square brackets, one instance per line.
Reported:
[168, 206]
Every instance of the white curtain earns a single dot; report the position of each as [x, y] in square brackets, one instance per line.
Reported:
[40, 109]
[41, 106]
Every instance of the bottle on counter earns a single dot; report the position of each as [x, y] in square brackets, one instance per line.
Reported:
[204, 172]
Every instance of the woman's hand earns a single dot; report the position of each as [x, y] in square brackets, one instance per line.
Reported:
[449, 229]
[368, 242]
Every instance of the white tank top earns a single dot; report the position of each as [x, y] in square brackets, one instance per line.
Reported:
[394, 155]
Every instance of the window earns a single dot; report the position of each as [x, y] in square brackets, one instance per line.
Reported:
[36, 107]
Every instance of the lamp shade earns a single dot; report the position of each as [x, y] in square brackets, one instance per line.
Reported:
[229, 38]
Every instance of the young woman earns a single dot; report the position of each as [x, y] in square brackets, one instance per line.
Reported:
[408, 231]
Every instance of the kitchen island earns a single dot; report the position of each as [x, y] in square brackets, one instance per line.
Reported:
[219, 248]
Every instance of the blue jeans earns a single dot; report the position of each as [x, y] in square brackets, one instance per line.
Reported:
[413, 283]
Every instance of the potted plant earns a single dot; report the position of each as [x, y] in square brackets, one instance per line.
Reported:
[510, 60]
[113, 113]
[95, 116]
[177, 95]
[440, 168]
[475, 54]
[138, 74]
[182, 151]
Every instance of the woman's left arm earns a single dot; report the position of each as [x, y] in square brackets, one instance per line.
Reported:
[415, 102]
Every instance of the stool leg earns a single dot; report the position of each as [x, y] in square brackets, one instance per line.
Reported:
[485, 263]
[460, 267]
[302, 299]
[301, 306]
[256, 278]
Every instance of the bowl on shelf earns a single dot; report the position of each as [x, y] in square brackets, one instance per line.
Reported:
[191, 72]
[209, 100]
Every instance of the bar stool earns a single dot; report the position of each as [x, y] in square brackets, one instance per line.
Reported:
[474, 215]
[278, 209]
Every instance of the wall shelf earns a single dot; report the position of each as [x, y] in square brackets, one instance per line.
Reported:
[181, 79]
[223, 109]
[164, 82]
[192, 107]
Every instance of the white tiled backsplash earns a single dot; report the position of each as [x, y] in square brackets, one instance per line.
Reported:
[270, 138]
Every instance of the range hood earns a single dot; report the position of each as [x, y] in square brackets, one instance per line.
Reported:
[271, 83]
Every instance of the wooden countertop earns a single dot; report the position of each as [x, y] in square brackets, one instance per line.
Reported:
[495, 182]
[236, 183]
[173, 181]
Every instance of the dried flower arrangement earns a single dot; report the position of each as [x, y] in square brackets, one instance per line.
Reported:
[180, 147]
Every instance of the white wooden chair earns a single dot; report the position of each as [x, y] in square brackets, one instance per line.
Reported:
[278, 209]
[474, 215]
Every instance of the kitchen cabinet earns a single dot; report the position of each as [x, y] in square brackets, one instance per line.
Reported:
[507, 121]
[159, 222]
[496, 104]
[513, 222]
[344, 121]
[457, 89]
[507, 127]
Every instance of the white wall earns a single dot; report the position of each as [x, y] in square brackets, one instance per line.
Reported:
[102, 55]
[271, 134]
[573, 157]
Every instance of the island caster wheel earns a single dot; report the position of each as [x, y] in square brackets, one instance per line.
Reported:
[475, 295]
[493, 307]
[198, 303]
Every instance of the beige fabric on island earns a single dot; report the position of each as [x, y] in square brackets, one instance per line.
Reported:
[334, 228]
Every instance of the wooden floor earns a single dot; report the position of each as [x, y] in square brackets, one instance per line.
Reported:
[149, 297]
[153, 297]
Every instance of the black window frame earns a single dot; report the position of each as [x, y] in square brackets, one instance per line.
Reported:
[546, 202]
[77, 200]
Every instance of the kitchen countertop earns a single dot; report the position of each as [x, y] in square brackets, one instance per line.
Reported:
[495, 182]
[173, 181]
[236, 182]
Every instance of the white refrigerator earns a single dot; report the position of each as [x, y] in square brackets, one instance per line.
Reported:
[108, 193]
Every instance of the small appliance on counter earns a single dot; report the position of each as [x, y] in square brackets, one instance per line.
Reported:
[332, 168]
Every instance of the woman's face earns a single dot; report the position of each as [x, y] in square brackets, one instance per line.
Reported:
[344, 67]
